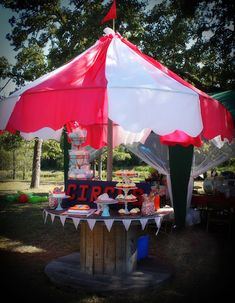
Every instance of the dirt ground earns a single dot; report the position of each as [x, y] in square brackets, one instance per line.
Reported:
[202, 262]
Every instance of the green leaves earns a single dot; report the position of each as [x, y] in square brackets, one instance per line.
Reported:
[31, 64]
[10, 141]
[4, 68]
[195, 38]
[51, 149]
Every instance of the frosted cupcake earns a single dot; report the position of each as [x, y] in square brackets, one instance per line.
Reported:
[122, 211]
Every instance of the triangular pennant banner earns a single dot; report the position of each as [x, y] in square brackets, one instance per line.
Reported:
[126, 223]
[52, 217]
[143, 222]
[109, 223]
[62, 219]
[45, 214]
[157, 231]
[158, 222]
[91, 223]
[76, 221]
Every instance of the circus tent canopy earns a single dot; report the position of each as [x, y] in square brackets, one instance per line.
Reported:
[113, 79]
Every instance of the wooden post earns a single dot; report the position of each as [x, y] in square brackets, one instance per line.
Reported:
[110, 141]
[67, 146]
[110, 150]
[100, 167]
[35, 181]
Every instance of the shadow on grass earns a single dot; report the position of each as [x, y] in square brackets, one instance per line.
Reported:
[203, 262]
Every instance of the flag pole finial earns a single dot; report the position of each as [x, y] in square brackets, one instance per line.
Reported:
[109, 31]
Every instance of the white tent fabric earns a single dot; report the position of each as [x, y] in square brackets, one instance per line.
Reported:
[156, 155]
[120, 136]
[43, 133]
[132, 78]
[206, 158]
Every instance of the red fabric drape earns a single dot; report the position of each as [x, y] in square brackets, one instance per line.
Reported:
[217, 120]
[112, 13]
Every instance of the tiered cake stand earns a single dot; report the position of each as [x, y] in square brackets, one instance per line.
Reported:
[126, 175]
[125, 200]
[60, 197]
[79, 162]
[103, 205]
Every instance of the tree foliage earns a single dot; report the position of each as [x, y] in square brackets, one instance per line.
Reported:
[15, 153]
[51, 149]
[5, 74]
[52, 154]
[4, 68]
[30, 65]
[195, 39]
[10, 141]
[122, 157]
[67, 31]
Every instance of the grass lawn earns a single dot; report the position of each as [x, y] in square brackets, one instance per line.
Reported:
[203, 263]
[48, 180]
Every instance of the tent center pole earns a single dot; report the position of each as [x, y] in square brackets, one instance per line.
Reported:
[110, 150]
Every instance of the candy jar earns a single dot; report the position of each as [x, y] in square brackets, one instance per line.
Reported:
[53, 202]
[147, 208]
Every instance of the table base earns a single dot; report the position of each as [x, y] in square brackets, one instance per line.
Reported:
[65, 272]
[108, 252]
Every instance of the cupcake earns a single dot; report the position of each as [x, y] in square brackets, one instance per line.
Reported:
[120, 197]
[131, 198]
[135, 211]
[119, 184]
[122, 211]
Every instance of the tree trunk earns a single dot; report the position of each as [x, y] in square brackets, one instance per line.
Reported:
[24, 169]
[13, 164]
[35, 180]
[67, 147]
[94, 168]
[100, 167]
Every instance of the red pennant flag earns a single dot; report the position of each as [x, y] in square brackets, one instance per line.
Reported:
[112, 14]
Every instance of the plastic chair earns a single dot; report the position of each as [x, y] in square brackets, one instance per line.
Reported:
[219, 219]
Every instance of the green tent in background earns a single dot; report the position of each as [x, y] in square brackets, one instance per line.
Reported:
[227, 98]
[181, 162]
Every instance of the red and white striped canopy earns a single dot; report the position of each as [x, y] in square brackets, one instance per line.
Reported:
[114, 79]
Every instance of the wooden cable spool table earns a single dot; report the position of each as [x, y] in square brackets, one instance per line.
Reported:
[108, 246]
